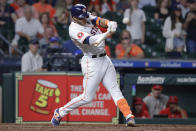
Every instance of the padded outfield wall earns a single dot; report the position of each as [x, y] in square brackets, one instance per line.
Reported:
[136, 79]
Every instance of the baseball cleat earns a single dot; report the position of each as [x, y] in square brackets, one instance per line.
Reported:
[130, 122]
[56, 119]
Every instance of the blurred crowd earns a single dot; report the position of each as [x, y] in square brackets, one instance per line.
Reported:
[37, 26]
[157, 104]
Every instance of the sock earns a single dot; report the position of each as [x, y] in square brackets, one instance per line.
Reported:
[124, 108]
[130, 116]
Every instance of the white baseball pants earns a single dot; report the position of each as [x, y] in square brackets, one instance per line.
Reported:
[95, 70]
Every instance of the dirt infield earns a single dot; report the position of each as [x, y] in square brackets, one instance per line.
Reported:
[120, 127]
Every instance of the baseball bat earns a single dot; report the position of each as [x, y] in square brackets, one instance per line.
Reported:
[102, 37]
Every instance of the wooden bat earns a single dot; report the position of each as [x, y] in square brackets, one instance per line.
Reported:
[102, 37]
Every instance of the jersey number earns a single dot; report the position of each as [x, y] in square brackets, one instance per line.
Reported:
[94, 30]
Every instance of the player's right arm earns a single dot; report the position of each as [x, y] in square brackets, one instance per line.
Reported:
[101, 22]
[85, 38]
[98, 21]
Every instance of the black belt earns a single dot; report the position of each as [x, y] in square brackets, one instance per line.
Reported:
[100, 55]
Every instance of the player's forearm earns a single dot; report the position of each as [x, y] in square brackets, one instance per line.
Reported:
[102, 22]
[183, 114]
[93, 39]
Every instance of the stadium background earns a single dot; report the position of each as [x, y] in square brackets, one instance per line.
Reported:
[156, 62]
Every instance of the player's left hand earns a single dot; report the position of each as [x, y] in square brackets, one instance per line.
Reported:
[112, 25]
[91, 16]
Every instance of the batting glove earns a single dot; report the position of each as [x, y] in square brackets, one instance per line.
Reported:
[112, 25]
[91, 17]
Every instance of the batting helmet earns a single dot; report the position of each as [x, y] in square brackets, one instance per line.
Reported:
[79, 11]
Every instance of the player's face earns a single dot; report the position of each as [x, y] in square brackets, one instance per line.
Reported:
[80, 21]
[156, 92]
[138, 108]
[173, 107]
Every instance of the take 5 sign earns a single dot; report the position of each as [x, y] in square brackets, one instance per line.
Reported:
[39, 94]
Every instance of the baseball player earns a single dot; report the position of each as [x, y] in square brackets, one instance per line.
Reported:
[96, 65]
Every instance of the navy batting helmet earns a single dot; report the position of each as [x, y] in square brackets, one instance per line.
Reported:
[79, 11]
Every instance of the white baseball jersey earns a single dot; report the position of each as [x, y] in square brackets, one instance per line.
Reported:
[95, 70]
[155, 105]
[78, 33]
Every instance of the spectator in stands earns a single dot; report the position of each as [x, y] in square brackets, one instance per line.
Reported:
[64, 18]
[32, 61]
[7, 13]
[143, 3]
[126, 49]
[26, 27]
[122, 5]
[91, 7]
[139, 110]
[155, 101]
[42, 7]
[54, 42]
[19, 5]
[63, 5]
[103, 6]
[175, 3]
[7, 20]
[62, 15]
[173, 32]
[52, 2]
[45, 21]
[135, 20]
[163, 10]
[184, 7]
[48, 33]
[174, 110]
[190, 27]
[53, 46]
[10, 1]
[70, 47]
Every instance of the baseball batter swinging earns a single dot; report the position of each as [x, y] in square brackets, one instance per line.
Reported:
[96, 65]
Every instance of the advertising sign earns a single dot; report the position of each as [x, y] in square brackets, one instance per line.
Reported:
[161, 79]
[38, 95]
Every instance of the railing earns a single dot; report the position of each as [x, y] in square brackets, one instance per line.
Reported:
[10, 46]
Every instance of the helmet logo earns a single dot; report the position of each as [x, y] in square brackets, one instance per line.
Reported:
[80, 35]
[84, 10]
